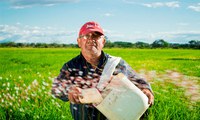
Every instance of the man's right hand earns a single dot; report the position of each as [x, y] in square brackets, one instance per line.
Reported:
[74, 94]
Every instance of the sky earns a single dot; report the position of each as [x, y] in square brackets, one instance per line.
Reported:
[59, 21]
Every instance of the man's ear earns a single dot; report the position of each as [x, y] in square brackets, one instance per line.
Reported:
[104, 41]
[79, 42]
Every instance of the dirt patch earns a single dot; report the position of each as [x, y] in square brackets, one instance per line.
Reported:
[188, 83]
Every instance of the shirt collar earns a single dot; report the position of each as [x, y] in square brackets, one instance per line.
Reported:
[102, 61]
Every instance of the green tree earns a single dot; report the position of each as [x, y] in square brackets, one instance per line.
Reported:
[141, 45]
[123, 44]
[194, 44]
[160, 44]
[108, 43]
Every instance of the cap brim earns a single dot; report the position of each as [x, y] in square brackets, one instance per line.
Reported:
[91, 30]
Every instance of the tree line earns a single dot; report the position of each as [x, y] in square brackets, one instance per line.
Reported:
[192, 44]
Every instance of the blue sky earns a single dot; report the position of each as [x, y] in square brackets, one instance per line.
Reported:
[59, 21]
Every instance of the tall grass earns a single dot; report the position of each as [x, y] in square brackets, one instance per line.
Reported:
[26, 76]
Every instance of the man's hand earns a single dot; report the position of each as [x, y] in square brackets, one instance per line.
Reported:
[150, 96]
[74, 94]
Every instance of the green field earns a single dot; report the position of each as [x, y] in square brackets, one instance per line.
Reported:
[26, 76]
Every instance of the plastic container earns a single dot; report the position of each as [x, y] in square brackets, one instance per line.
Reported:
[123, 100]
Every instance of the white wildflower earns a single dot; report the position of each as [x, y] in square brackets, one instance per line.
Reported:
[8, 84]
[27, 99]
[39, 90]
[16, 88]
[53, 97]
[33, 94]
[57, 104]
[29, 87]
[52, 79]
[44, 83]
[7, 89]
[35, 82]
[17, 92]
[21, 110]
[10, 104]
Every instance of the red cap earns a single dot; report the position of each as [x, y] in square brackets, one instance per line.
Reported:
[90, 27]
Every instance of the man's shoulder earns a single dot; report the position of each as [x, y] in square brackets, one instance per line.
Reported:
[111, 56]
[74, 61]
[122, 62]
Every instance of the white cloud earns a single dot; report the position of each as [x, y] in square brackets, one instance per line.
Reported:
[20, 4]
[171, 37]
[20, 7]
[183, 24]
[35, 34]
[195, 7]
[176, 36]
[154, 5]
[108, 14]
[173, 4]
[130, 1]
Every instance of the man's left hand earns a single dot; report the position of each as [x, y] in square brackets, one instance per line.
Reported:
[150, 96]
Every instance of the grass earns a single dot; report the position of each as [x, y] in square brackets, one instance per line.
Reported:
[26, 76]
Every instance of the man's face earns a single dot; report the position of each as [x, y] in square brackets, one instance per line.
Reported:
[91, 43]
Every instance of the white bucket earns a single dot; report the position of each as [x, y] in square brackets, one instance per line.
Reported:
[123, 100]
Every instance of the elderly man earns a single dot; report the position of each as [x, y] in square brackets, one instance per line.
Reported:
[84, 71]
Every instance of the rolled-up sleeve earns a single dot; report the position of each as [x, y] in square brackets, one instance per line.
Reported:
[61, 84]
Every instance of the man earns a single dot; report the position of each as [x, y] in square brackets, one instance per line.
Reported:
[84, 71]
